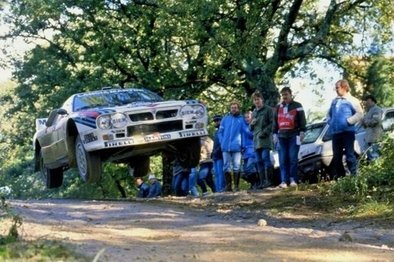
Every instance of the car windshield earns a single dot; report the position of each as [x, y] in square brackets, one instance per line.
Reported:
[110, 98]
[312, 132]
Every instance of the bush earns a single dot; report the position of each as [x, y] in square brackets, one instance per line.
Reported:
[375, 180]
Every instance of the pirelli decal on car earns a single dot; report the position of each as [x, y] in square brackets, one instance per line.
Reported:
[119, 143]
[156, 137]
[192, 133]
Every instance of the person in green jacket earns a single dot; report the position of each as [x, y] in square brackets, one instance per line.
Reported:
[262, 127]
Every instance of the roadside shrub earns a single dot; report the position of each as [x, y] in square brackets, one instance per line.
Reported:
[375, 180]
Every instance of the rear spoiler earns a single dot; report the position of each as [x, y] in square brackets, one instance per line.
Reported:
[40, 123]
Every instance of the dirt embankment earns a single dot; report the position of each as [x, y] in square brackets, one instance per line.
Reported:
[221, 227]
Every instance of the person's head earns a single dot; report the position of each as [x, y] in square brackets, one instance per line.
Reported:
[151, 178]
[235, 107]
[138, 181]
[216, 120]
[286, 94]
[342, 87]
[248, 116]
[258, 99]
[369, 101]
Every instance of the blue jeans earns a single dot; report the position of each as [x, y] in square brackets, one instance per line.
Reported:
[263, 159]
[181, 183]
[219, 175]
[193, 182]
[288, 159]
[205, 176]
[343, 143]
[231, 159]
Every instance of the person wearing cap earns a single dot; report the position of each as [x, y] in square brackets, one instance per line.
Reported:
[155, 187]
[372, 122]
[143, 188]
[217, 156]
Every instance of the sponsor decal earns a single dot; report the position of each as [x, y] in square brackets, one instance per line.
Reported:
[192, 133]
[119, 143]
[156, 137]
[88, 138]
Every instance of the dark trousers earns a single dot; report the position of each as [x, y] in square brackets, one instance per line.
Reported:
[343, 143]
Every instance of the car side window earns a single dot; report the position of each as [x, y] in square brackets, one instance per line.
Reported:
[388, 121]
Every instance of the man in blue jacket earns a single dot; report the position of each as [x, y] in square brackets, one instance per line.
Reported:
[155, 187]
[217, 156]
[230, 138]
[345, 111]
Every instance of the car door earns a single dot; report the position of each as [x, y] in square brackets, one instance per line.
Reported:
[53, 140]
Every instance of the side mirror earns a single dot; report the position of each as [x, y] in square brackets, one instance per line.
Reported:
[52, 116]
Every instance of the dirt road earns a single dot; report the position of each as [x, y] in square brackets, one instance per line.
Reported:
[184, 229]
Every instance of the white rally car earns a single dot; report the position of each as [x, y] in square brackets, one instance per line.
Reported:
[116, 125]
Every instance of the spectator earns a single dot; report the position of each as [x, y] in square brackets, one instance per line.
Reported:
[155, 187]
[193, 176]
[345, 111]
[230, 138]
[180, 179]
[143, 188]
[262, 127]
[289, 128]
[249, 167]
[217, 156]
[205, 176]
[372, 122]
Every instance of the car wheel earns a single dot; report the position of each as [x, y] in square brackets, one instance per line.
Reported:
[89, 164]
[189, 152]
[140, 166]
[52, 177]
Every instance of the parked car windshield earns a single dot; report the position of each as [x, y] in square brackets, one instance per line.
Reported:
[388, 121]
[312, 132]
[110, 98]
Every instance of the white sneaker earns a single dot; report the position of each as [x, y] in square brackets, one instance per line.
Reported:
[293, 183]
[283, 185]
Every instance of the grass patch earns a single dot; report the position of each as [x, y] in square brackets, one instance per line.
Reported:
[38, 251]
[315, 202]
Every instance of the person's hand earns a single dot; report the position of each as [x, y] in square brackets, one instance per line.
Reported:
[275, 138]
[253, 122]
[302, 135]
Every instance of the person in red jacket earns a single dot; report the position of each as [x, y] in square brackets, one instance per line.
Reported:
[289, 128]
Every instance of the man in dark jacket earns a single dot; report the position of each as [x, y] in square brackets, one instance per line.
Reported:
[262, 127]
[289, 128]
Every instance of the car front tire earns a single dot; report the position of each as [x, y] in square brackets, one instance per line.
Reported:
[88, 163]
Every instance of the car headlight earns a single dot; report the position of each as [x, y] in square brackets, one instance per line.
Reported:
[117, 120]
[193, 111]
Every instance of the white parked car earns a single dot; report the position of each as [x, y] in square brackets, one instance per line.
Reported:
[116, 125]
[315, 155]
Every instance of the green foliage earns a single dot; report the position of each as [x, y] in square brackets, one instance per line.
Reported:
[38, 251]
[16, 221]
[375, 180]
[380, 80]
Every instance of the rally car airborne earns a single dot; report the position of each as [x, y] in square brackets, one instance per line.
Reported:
[116, 125]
